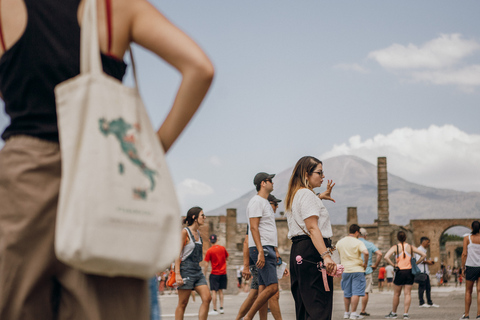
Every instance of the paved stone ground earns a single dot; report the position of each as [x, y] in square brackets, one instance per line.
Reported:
[450, 299]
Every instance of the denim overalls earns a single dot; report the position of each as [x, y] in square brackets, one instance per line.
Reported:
[190, 268]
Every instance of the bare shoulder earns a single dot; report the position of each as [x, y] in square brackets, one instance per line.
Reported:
[475, 238]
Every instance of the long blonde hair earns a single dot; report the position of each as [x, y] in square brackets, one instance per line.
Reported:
[306, 165]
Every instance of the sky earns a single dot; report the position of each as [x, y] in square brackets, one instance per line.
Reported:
[323, 78]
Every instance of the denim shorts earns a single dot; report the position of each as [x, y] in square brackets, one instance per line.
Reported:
[254, 272]
[353, 284]
[192, 278]
[268, 274]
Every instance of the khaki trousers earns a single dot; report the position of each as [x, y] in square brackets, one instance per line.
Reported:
[34, 285]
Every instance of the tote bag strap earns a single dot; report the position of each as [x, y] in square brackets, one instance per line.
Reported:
[90, 61]
[89, 48]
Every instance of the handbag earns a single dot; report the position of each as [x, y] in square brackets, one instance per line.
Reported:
[118, 214]
[415, 269]
[171, 280]
[421, 277]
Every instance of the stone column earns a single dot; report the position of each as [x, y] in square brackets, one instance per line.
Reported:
[352, 217]
[236, 257]
[384, 228]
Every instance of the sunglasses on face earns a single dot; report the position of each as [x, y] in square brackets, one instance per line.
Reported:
[274, 204]
[268, 180]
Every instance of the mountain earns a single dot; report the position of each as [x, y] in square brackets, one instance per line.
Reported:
[356, 186]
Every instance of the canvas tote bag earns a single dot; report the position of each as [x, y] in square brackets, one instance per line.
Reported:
[118, 213]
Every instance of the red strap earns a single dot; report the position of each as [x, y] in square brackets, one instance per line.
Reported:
[1, 31]
[108, 4]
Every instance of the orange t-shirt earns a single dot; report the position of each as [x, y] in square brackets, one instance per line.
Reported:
[218, 255]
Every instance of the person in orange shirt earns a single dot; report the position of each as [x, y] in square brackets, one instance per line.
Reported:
[403, 273]
[381, 277]
[218, 256]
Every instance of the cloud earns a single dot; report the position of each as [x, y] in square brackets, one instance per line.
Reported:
[440, 157]
[442, 52]
[440, 61]
[468, 76]
[192, 187]
[351, 67]
[215, 160]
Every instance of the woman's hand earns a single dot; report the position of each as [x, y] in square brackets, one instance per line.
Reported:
[178, 279]
[330, 265]
[326, 195]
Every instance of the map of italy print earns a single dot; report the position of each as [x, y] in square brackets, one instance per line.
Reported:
[125, 135]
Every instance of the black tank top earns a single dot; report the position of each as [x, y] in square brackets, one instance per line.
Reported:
[46, 54]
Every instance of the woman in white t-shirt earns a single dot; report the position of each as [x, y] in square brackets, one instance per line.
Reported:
[310, 230]
[471, 267]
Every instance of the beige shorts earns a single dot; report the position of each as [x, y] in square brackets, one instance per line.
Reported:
[34, 284]
[369, 280]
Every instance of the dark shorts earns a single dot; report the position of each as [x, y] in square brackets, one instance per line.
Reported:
[389, 280]
[472, 273]
[381, 280]
[403, 277]
[268, 274]
[218, 282]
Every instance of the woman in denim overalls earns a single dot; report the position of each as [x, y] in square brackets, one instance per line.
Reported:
[188, 273]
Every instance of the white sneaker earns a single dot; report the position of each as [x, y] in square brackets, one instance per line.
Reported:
[434, 305]
[355, 316]
[425, 305]
[221, 311]
[346, 315]
[213, 313]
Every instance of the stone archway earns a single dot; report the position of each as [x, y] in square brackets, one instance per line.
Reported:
[433, 229]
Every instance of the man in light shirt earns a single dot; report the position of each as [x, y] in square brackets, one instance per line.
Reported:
[353, 278]
[372, 251]
[262, 241]
[425, 287]
[389, 272]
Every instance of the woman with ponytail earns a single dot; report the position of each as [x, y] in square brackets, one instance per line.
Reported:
[403, 273]
[188, 273]
[471, 267]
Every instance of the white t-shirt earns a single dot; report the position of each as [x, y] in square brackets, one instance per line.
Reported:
[259, 207]
[422, 265]
[389, 270]
[306, 204]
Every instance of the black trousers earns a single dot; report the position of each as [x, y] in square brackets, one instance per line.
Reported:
[425, 287]
[312, 302]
